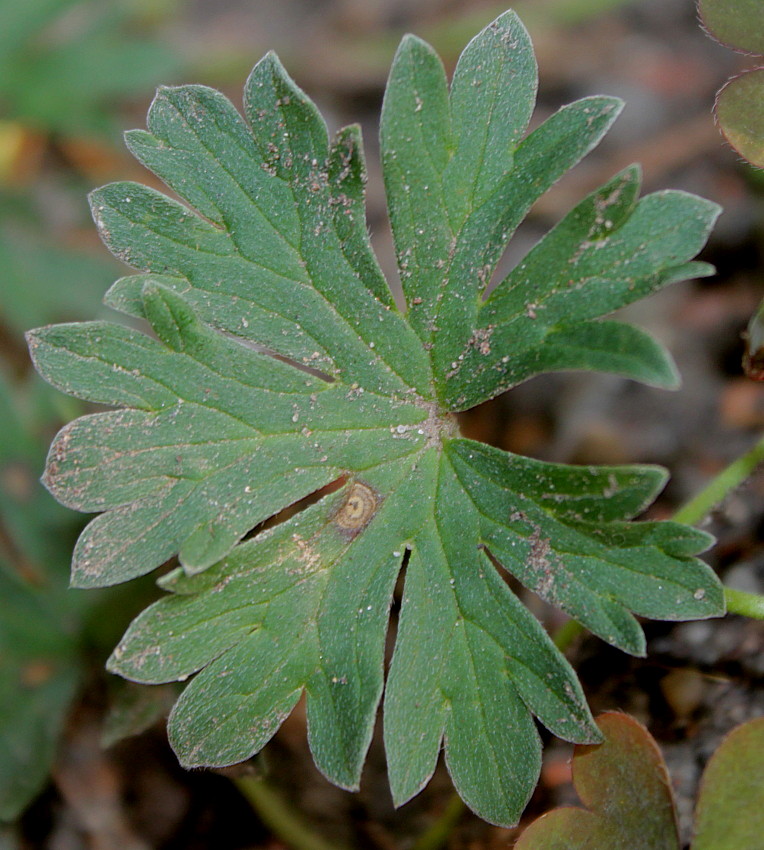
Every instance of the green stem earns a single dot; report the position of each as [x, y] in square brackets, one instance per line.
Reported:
[283, 821]
[747, 604]
[721, 486]
[439, 832]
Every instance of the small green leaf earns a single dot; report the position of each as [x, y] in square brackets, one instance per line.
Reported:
[625, 787]
[729, 813]
[738, 24]
[740, 112]
[753, 360]
[279, 367]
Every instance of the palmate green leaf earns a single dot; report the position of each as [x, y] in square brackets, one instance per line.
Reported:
[280, 367]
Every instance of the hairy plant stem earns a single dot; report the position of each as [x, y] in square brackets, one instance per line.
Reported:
[721, 486]
[283, 821]
[747, 604]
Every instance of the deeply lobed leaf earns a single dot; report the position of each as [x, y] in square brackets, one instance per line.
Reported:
[223, 420]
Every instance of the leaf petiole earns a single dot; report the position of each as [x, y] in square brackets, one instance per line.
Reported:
[440, 830]
[280, 817]
[721, 486]
[746, 604]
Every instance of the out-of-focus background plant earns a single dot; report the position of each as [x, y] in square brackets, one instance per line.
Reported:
[73, 75]
[66, 70]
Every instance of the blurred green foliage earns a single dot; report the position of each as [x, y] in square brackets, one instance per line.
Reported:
[45, 281]
[67, 70]
[63, 63]
[39, 661]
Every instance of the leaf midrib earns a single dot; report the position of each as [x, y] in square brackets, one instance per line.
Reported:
[184, 399]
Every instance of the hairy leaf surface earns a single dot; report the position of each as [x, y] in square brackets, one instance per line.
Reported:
[280, 367]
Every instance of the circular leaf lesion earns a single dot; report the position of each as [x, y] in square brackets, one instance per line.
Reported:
[355, 513]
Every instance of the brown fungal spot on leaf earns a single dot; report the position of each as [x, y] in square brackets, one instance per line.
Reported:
[354, 514]
[540, 560]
